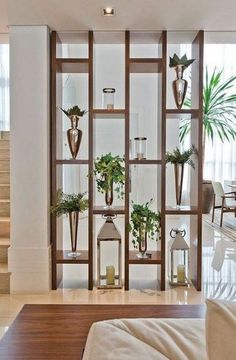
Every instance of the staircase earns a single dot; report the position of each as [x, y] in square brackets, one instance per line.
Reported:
[4, 211]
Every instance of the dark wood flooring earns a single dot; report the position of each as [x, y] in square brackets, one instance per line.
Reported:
[58, 332]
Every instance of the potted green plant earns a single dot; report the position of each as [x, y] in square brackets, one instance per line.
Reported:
[179, 159]
[109, 170]
[179, 85]
[74, 135]
[72, 204]
[144, 223]
[219, 113]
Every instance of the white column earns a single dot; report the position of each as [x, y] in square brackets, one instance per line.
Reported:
[29, 254]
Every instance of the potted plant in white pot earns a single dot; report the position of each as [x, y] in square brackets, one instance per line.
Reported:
[179, 159]
[144, 224]
[109, 170]
[219, 114]
[72, 205]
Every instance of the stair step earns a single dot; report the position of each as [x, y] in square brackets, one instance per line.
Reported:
[4, 177]
[4, 279]
[4, 191]
[4, 207]
[4, 245]
[5, 165]
[4, 144]
[4, 242]
[4, 227]
[4, 135]
[4, 154]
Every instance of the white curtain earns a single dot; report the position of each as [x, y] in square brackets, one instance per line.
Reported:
[4, 87]
[220, 158]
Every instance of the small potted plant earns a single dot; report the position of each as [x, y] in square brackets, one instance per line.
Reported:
[179, 159]
[144, 224]
[71, 204]
[179, 85]
[74, 135]
[109, 170]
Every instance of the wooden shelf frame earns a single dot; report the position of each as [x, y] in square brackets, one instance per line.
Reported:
[132, 65]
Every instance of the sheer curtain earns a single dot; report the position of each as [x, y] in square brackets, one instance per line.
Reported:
[220, 158]
[4, 87]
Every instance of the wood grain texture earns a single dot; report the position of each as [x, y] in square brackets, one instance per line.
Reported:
[59, 332]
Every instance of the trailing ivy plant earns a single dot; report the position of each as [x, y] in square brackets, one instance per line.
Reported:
[67, 203]
[142, 218]
[178, 157]
[175, 61]
[74, 111]
[109, 170]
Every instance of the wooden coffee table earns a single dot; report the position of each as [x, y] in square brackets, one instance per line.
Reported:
[59, 332]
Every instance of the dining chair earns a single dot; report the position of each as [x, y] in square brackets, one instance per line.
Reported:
[224, 201]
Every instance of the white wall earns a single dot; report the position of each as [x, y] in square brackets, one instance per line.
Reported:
[29, 254]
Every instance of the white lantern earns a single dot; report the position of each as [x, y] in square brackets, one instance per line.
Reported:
[179, 252]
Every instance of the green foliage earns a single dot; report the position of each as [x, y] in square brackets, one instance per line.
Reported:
[178, 157]
[109, 170]
[175, 60]
[142, 218]
[75, 110]
[67, 203]
[219, 108]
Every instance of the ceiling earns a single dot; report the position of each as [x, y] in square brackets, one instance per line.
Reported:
[130, 14]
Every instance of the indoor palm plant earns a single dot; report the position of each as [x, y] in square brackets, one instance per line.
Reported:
[144, 223]
[109, 170]
[74, 135]
[219, 114]
[71, 204]
[179, 159]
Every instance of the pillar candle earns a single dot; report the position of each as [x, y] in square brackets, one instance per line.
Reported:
[110, 275]
[181, 273]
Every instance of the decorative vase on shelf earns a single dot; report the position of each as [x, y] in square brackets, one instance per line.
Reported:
[73, 220]
[74, 136]
[179, 86]
[142, 246]
[179, 174]
[109, 195]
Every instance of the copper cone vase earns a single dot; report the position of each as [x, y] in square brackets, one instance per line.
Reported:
[143, 242]
[179, 175]
[74, 220]
[74, 136]
[109, 195]
[179, 86]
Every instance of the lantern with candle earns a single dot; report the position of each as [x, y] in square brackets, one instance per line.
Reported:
[179, 250]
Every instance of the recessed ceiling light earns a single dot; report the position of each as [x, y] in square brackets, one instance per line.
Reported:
[108, 11]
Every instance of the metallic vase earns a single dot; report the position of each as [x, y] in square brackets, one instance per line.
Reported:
[143, 242]
[179, 86]
[74, 220]
[74, 136]
[179, 174]
[109, 195]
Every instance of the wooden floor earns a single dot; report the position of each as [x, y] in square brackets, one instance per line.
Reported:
[59, 331]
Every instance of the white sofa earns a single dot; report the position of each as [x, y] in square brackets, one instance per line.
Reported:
[166, 339]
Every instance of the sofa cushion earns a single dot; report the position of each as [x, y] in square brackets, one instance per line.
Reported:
[221, 330]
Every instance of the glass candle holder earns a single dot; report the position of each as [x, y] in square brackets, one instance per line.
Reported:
[140, 148]
[108, 98]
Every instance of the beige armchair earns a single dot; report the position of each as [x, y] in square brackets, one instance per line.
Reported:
[224, 201]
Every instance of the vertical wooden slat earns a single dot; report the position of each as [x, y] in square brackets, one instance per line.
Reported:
[127, 137]
[53, 154]
[163, 162]
[91, 155]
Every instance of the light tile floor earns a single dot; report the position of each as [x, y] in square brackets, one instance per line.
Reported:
[219, 283]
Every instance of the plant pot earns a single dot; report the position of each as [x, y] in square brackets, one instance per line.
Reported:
[179, 86]
[207, 196]
[142, 247]
[109, 195]
[179, 175]
[73, 220]
[74, 136]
